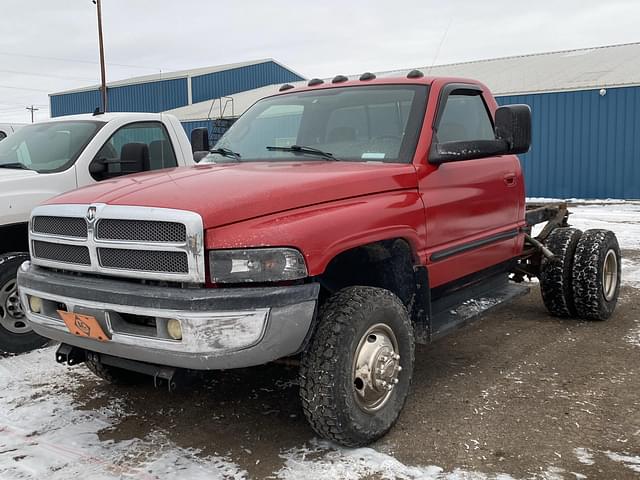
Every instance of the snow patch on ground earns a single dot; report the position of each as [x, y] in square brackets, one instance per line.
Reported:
[323, 461]
[44, 435]
[629, 461]
[633, 337]
[623, 220]
[630, 273]
[584, 456]
[580, 201]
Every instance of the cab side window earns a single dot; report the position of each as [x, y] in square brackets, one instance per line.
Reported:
[137, 147]
[465, 118]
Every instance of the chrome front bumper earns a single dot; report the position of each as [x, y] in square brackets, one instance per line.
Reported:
[221, 328]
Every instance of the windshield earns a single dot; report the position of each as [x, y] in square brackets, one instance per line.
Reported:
[47, 147]
[362, 123]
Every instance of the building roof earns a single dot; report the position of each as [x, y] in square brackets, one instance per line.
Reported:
[217, 108]
[177, 74]
[581, 69]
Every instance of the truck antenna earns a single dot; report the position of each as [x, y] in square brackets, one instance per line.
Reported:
[444, 36]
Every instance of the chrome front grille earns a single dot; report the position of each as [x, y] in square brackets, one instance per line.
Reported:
[61, 226]
[126, 241]
[149, 261]
[59, 252]
[141, 230]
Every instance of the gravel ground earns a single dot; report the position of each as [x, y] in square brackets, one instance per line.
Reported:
[517, 395]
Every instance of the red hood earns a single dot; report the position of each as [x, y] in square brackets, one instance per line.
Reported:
[224, 194]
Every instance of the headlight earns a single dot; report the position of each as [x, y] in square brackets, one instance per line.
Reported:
[256, 265]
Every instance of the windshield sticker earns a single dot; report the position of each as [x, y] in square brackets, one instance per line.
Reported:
[372, 156]
[284, 141]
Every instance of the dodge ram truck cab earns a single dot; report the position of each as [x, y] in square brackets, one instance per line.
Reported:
[45, 159]
[333, 225]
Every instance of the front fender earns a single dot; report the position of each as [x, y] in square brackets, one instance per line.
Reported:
[20, 193]
[323, 231]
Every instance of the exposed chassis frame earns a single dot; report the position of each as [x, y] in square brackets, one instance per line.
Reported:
[556, 215]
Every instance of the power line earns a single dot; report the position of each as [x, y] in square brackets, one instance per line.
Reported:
[58, 59]
[13, 87]
[34, 74]
[5, 104]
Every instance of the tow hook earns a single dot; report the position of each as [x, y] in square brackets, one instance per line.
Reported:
[70, 355]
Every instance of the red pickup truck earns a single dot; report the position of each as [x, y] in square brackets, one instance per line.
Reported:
[336, 225]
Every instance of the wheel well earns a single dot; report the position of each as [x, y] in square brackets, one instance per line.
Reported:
[386, 264]
[14, 238]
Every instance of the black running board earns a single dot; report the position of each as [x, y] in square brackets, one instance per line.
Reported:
[455, 311]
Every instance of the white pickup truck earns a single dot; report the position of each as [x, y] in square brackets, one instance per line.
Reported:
[7, 129]
[44, 159]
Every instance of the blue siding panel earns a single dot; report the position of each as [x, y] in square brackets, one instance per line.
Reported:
[149, 97]
[583, 145]
[143, 97]
[74, 103]
[228, 82]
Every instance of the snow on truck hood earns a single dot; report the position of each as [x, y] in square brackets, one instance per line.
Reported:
[229, 193]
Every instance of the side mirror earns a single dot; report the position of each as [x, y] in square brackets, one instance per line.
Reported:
[466, 150]
[513, 125]
[200, 139]
[98, 167]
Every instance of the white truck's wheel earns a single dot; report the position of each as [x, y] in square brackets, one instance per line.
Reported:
[16, 336]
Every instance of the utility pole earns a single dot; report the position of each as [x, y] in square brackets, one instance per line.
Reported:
[32, 109]
[103, 86]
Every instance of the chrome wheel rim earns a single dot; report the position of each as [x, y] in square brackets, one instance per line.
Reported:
[376, 368]
[610, 275]
[11, 313]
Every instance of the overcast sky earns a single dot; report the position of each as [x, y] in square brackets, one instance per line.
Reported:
[51, 45]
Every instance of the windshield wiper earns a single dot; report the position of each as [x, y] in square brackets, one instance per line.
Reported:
[226, 152]
[14, 165]
[304, 150]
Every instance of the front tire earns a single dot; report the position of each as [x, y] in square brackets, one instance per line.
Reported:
[356, 372]
[596, 274]
[16, 336]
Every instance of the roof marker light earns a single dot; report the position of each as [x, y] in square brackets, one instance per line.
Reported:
[415, 74]
[315, 81]
[286, 86]
[339, 79]
[367, 76]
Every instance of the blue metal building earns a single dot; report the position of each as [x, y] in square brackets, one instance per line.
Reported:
[167, 91]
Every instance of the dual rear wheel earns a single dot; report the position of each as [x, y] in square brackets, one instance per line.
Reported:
[583, 279]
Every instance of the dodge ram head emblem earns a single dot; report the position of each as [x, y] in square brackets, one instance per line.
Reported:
[91, 214]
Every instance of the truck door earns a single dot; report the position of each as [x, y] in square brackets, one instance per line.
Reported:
[472, 207]
[135, 147]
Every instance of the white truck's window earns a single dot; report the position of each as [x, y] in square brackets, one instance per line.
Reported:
[47, 147]
[465, 118]
[155, 152]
